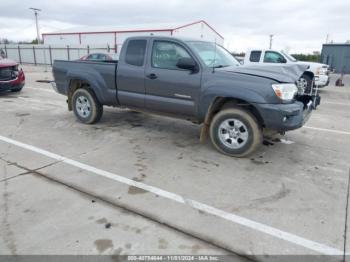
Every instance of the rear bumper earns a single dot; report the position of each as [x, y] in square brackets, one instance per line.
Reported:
[284, 117]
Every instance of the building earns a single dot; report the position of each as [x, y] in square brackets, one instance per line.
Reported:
[115, 36]
[337, 56]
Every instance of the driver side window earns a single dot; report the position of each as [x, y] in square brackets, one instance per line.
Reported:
[166, 54]
[273, 57]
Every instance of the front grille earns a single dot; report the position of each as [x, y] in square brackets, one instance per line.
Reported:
[8, 73]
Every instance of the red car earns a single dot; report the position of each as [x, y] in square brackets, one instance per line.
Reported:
[100, 57]
[11, 76]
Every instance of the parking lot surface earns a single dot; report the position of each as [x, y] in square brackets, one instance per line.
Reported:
[288, 198]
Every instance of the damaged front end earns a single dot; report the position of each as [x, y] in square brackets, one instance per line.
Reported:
[309, 98]
[11, 77]
[296, 103]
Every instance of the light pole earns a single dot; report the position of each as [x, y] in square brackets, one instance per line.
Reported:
[36, 10]
[271, 36]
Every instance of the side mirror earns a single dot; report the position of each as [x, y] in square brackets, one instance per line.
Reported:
[186, 63]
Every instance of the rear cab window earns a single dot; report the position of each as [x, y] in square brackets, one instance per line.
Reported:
[255, 56]
[135, 52]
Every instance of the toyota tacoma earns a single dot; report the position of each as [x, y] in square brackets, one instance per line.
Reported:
[193, 80]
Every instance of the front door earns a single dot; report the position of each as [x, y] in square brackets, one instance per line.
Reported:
[168, 88]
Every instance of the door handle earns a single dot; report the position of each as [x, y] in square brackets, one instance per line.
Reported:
[152, 76]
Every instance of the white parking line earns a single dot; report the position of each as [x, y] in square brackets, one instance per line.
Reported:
[303, 242]
[335, 103]
[328, 130]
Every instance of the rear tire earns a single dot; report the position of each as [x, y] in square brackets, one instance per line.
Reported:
[86, 106]
[235, 132]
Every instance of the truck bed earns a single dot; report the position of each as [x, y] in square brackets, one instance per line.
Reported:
[101, 75]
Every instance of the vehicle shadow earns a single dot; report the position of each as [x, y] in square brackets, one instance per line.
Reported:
[182, 133]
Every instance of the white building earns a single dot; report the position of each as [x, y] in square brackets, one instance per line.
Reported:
[115, 36]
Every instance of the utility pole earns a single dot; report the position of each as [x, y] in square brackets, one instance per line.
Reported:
[36, 10]
[271, 38]
[327, 38]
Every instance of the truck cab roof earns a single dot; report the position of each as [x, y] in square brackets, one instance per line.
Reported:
[183, 39]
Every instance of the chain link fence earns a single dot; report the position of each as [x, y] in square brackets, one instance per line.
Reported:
[46, 54]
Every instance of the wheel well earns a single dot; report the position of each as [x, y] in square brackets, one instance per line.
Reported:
[308, 73]
[226, 102]
[75, 84]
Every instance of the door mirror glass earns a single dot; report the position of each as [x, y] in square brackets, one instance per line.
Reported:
[186, 63]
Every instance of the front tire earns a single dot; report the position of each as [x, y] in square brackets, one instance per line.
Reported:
[305, 83]
[86, 107]
[235, 132]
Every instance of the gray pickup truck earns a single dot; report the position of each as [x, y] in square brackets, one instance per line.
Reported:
[194, 80]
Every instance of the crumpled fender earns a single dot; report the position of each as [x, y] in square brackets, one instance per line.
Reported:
[286, 73]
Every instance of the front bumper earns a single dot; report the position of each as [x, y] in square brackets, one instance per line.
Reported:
[16, 83]
[322, 80]
[8, 87]
[284, 117]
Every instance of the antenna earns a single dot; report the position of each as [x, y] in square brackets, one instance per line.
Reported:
[214, 56]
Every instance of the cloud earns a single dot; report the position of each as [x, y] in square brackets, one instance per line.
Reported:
[23, 29]
[299, 25]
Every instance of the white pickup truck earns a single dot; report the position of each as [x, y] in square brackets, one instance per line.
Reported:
[316, 71]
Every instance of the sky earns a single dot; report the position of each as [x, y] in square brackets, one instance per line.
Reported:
[298, 26]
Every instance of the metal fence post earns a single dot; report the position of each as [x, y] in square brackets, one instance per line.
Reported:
[88, 49]
[50, 53]
[44, 53]
[68, 52]
[19, 54]
[34, 55]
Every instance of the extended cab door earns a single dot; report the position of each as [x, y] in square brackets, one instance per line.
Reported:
[168, 88]
[131, 74]
[254, 57]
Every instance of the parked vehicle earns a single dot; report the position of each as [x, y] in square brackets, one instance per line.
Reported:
[100, 57]
[190, 79]
[316, 72]
[11, 76]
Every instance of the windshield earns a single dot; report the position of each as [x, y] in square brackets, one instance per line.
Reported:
[211, 56]
[289, 57]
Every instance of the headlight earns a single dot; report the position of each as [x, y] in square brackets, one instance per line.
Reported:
[317, 72]
[321, 71]
[285, 91]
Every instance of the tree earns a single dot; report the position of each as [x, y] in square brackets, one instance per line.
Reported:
[4, 41]
[315, 57]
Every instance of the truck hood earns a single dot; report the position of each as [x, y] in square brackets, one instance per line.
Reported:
[311, 64]
[282, 74]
